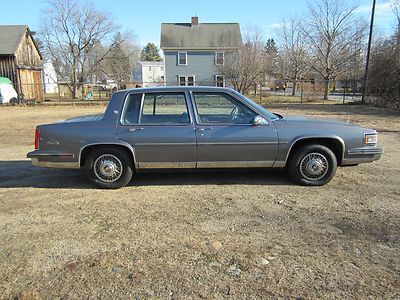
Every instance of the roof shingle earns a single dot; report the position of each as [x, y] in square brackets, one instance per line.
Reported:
[204, 36]
[10, 37]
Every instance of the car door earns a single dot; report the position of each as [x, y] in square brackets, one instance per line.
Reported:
[227, 135]
[160, 128]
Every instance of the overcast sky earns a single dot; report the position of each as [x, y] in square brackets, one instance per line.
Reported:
[144, 17]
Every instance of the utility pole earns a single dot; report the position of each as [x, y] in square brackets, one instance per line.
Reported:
[371, 27]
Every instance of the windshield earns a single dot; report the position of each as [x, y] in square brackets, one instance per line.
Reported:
[262, 109]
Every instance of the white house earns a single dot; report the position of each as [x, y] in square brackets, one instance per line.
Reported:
[49, 78]
[149, 73]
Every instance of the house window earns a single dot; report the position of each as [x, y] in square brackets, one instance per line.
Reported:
[149, 68]
[219, 81]
[219, 58]
[190, 80]
[182, 80]
[182, 58]
[186, 80]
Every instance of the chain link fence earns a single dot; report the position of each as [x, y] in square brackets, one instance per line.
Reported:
[264, 92]
[306, 91]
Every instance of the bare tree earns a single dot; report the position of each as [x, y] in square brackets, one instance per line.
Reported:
[119, 62]
[244, 66]
[292, 42]
[71, 34]
[330, 31]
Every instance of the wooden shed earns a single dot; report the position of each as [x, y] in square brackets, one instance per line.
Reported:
[21, 61]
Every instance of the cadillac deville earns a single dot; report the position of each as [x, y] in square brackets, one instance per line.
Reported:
[199, 128]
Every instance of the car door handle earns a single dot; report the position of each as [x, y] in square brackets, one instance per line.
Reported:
[135, 129]
[205, 129]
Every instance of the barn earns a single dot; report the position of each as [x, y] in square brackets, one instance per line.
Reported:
[21, 61]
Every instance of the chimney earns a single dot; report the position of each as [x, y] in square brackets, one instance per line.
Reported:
[195, 21]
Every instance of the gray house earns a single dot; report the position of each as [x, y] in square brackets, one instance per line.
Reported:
[192, 51]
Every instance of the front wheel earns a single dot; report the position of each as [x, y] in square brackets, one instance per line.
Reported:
[109, 168]
[312, 165]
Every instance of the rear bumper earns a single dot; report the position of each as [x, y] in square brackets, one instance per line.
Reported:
[362, 155]
[53, 160]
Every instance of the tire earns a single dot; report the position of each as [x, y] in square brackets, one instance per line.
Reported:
[109, 168]
[312, 165]
[13, 101]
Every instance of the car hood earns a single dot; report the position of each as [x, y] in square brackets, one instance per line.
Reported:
[316, 121]
[87, 118]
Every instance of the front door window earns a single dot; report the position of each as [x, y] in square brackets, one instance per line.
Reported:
[221, 108]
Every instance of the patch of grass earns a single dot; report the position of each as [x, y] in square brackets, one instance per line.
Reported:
[269, 99]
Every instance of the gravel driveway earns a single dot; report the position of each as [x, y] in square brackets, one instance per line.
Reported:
[213, 235]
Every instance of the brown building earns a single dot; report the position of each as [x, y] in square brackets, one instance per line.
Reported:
[21, 61]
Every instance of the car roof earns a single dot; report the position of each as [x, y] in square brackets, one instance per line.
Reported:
[177, 89]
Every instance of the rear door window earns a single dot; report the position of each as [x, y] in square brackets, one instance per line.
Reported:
[164, 108]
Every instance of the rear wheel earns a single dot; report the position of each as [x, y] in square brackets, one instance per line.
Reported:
[109, 168]
[313, 165]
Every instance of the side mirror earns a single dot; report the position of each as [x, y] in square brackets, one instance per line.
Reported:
[258, 120]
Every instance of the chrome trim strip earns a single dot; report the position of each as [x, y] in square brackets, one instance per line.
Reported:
[167, 165]
[235, 164]
[63, 155]
[356, 151]
[237, 143]
[51, 164]
[279, 164]
[141, 109]
[165, 144]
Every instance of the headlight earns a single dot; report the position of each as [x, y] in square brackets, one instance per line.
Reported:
[370, 139]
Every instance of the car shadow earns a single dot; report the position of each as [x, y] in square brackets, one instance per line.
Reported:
[21, 173]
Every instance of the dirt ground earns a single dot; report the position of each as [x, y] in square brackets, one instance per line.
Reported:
[237, 235]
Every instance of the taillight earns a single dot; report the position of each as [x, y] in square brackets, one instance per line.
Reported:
[37, 139]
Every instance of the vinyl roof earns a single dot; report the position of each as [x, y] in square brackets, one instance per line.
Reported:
[203, 36]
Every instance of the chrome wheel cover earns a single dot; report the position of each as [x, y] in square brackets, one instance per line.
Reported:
[314, 166]
[108, 168]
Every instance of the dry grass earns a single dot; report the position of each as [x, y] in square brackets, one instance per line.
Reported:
[231, 235]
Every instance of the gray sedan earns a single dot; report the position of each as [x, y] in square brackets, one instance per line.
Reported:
[199, 128]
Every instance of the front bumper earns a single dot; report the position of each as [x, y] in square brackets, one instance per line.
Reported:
[52, 159]
[357, 156]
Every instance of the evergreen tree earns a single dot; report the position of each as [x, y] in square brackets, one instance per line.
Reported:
[150, 53]
[270, 53]
[270, 47]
